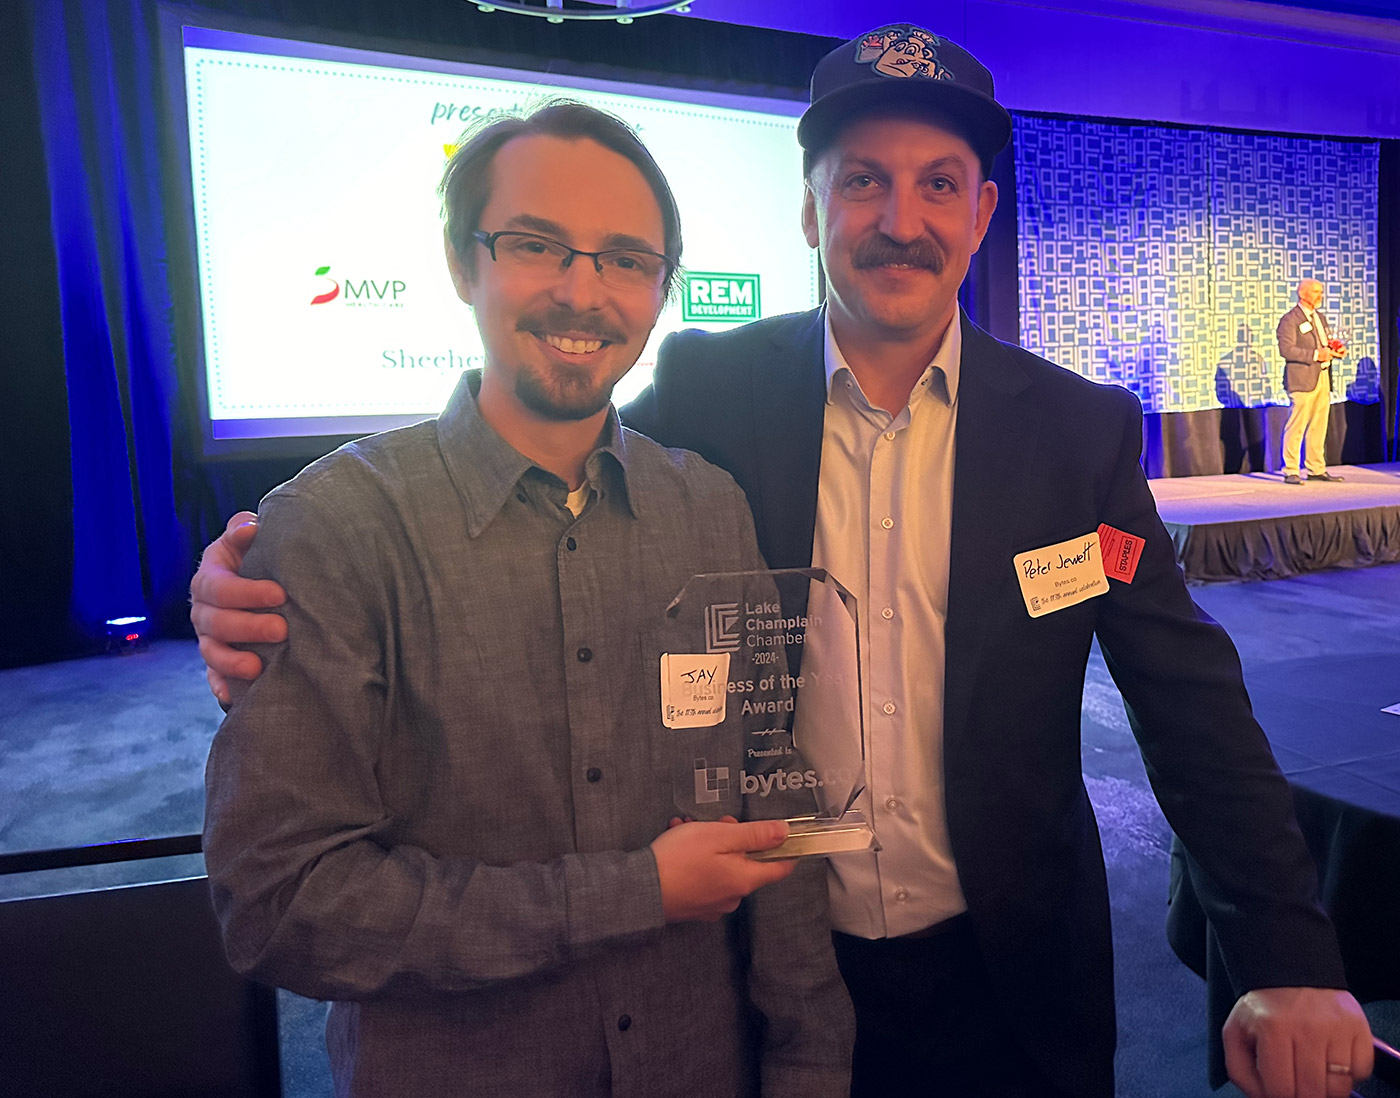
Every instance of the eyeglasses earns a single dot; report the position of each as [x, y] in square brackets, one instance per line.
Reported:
[623, 268]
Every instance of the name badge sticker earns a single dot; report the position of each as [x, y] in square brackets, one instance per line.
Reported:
[1061, 575]
[693, 689]
[1304, 328]
[1120, 553]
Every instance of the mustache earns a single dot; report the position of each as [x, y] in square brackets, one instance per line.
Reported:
[880, 251]
[563, 319]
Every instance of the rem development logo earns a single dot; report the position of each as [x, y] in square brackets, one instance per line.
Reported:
[727, 298]
[722, 627]
[364, 293]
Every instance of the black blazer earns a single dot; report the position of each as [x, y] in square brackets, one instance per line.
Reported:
[1042, 456]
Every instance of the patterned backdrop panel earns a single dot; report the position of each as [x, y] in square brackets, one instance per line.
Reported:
[1161, 259]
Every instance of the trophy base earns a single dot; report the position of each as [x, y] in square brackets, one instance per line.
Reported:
[810, 836]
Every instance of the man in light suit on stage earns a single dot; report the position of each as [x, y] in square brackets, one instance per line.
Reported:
[989, 511]
[1306, 344]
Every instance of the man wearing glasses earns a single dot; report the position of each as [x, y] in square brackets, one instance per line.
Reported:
[438, 807]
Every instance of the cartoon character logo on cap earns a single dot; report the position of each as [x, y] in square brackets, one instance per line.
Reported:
[903, 49]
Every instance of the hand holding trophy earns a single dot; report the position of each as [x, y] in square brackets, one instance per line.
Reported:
[761, 714]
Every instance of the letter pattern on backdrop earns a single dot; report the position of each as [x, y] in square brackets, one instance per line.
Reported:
[1161, 259]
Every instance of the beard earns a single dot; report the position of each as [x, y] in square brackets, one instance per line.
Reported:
[561, 392]
[567, 394]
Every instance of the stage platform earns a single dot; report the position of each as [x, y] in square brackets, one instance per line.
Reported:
[1253, 526]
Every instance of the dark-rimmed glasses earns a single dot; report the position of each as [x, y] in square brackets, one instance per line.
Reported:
[623, 268]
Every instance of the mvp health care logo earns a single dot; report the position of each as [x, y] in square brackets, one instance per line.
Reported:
[727, 298]
[366, 291]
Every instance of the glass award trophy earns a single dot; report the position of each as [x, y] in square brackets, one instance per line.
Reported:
[761, 714]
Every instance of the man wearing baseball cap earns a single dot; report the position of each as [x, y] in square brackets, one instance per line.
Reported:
[989, 511]
[935, 471]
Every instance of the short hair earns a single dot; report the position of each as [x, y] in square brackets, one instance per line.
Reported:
[466, 181]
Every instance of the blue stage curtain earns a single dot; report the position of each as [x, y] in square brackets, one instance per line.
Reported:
[97, 89]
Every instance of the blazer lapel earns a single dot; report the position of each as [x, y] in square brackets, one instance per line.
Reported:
[997, 428]
[1314, 329]
[789, 396]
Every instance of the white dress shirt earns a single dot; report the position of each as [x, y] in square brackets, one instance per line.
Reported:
[1319, 333]
[884, 516]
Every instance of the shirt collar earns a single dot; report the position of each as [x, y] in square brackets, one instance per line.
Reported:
[485, 469]
[947, 360]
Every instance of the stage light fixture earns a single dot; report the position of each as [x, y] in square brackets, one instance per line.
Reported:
[567, 11]
[126, 634]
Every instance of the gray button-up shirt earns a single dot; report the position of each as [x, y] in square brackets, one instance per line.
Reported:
[435, 805]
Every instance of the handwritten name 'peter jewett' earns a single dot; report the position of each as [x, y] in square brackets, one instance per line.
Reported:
[1036, 567]
[1082, 557]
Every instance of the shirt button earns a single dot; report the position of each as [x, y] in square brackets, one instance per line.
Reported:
[891, 803]
[888, 707]
[522, 497]
[889, 436]
[584, 655]
[887, 522]
[887, 613]
[901, 895]
[624, 1023]
[572, 544]
[594, 774]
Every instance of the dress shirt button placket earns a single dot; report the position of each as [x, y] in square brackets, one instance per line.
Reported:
[584, 654]
[586, 671]
[880, 665]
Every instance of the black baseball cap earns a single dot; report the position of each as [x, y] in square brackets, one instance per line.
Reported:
[901, 64]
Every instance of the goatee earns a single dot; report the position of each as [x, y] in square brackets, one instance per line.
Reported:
[573, 395]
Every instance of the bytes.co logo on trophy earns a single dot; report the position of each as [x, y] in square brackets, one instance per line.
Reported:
[711, 783]
[726, 298]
